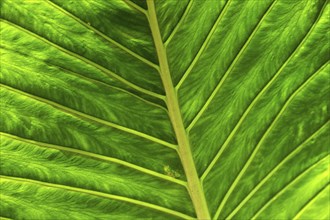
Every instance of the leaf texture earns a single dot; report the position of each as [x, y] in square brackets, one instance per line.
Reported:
[155, 109]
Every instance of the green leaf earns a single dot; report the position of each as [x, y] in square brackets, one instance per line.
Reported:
[158, 109]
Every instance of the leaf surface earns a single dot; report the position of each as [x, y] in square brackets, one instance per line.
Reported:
[130, 109]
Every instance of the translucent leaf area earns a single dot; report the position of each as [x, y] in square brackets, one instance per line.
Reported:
[165, 109]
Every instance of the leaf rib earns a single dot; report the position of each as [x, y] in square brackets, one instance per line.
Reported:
[194, 185]
[251, 105]
[92, 118]
[107, 38]
[275, 169]
[297, 216]
[288, 185]
[256, 149]
[4, 218]
[87, 61]
[94, 81]
[175, 29]
[217, 88]
[136, 7]
[97, 157]
[99, 194]
[204, 45]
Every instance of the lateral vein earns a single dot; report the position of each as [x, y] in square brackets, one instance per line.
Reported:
[296, 179]
[275, 169]
[136, 7]
[107, 38]
[99, 194]
[92, 118]
[204, 45]
[247, 111]
[259, 144]
[217, 88]
[4, 218]
[95, 81]
[175, 29]
[310, 202]
[87, 61]
[96, 156]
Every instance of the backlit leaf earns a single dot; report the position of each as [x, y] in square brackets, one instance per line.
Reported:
[165, 109]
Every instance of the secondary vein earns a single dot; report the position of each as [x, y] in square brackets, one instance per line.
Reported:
[92, 118]
[275, 169]
[4, 218]
[99, 194]
[310, 202]
[96, 156]
[204, 45]
[217, 88]
[136, 7]
[127, 50]
[175, 29]
[87, 61]
[263, 138]
[292, 182]
[252, 104]
[94, 81]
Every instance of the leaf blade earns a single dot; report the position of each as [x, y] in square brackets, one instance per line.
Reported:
[90, 105]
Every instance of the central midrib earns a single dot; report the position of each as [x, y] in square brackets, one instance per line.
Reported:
[194, 185]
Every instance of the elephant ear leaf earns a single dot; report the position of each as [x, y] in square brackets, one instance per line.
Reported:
[156, 109]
